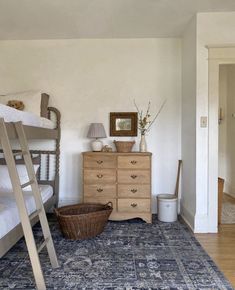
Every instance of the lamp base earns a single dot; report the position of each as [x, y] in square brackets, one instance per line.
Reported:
[96, 145]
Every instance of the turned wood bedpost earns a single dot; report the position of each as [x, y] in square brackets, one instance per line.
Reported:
[57, 149]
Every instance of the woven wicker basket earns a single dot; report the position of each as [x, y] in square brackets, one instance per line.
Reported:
[83, 221]
[124, 146]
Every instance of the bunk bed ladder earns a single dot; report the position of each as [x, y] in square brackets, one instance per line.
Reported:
[19, 196]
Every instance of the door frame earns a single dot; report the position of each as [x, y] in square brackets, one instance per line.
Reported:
[216, 57]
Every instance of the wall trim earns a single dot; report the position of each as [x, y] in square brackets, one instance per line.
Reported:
[217, 56]
[201, 225]
[68, 201]
[197, 223]
[187, 216]
[228, 189]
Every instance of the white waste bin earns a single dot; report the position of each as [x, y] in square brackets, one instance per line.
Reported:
[167, 207]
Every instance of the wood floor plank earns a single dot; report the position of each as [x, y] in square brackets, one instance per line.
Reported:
[221, 248]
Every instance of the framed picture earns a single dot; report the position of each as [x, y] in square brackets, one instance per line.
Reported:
[123, 124]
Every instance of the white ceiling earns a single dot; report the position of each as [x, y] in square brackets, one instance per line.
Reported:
[46, 19]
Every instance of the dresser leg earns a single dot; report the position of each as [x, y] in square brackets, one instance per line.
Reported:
[147, 219]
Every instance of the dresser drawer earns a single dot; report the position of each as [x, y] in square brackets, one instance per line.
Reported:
[133, 205]
[134, 190]
[102, 201]
[129, 162]
[133, 176]
[99, 161]
[99, 176]
[101, 190]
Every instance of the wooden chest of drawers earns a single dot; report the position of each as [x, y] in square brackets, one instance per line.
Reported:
[122, 178]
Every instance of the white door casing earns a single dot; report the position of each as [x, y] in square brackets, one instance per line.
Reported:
[217, 57]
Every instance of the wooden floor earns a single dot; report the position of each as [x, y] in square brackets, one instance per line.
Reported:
[221, 248]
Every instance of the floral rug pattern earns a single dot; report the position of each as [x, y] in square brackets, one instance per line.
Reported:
[128, 255]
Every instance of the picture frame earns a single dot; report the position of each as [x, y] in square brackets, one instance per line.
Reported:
[123, 124]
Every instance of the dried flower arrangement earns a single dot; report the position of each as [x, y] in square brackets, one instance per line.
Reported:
[144, 120]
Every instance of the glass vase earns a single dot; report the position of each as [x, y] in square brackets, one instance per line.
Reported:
[143, 145]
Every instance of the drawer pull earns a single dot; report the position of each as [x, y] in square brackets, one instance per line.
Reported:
[99, 175]
[134, 204]
[133, 176]
[99, 189]
[133, 190]
[133, 162]
[99, 161]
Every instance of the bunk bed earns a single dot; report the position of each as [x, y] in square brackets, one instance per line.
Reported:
[47, 174]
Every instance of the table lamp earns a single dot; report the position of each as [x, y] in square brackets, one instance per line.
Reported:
[96, 130]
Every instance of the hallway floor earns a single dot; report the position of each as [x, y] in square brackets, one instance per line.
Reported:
[221, 248]
[228, 209]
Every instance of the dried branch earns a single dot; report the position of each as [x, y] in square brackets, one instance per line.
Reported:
[159, 111]
[144, 124]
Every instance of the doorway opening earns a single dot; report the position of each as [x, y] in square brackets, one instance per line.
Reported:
[217, 57]
[226, 144]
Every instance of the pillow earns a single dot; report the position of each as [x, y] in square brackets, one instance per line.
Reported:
[34, 101]
[5, 182]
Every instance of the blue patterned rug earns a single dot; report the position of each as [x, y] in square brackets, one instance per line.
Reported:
[128, 255]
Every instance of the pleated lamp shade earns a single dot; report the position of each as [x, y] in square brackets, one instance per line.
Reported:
[96, 130]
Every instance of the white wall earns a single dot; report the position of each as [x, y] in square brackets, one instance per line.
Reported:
[212, 29]
[188, 202]
[227, 127]
[89, 78]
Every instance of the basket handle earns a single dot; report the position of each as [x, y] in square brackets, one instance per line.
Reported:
[56, 212]
[109, 204]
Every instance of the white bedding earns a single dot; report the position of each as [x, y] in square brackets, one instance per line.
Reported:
[12, 115]
[9, 216]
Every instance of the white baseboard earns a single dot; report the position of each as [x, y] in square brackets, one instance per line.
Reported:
[231, 194]
[68, 201]
[229, 189]
[187, 216]
[198, 223]
[202, 226]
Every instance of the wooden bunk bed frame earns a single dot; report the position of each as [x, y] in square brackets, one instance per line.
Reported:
[37, 133]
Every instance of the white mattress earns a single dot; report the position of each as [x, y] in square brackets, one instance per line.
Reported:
[12, 115]
[9, 216]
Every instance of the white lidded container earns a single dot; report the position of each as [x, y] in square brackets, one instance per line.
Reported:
[167, 207]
